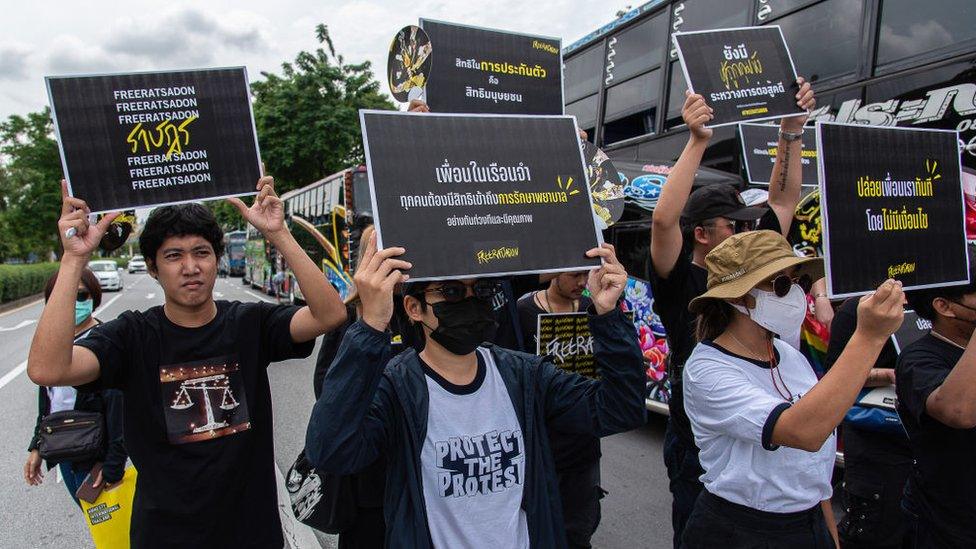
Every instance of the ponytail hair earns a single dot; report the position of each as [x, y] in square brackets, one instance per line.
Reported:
[713, 318]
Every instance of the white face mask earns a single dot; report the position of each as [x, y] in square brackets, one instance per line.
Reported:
[781, 315]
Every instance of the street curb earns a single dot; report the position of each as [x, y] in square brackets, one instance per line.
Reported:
[18, 303]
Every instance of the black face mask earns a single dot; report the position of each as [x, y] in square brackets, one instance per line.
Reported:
[463, 325]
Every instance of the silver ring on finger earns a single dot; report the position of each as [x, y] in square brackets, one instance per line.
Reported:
[70, 232]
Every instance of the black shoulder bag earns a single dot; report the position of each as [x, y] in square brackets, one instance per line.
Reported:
[71, 435]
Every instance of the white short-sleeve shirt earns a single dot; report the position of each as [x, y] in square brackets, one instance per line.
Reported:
[733, 405]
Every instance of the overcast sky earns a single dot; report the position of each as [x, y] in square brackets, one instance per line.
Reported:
[57, 38]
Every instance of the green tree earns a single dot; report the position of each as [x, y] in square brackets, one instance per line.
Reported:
[308, 117]
[30, 194]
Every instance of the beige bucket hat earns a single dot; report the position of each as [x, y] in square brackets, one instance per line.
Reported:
[744, 260]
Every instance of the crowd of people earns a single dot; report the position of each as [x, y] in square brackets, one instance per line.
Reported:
[444, 427]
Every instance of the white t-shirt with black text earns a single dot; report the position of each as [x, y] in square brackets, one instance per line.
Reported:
[733, 404]
[473, 463]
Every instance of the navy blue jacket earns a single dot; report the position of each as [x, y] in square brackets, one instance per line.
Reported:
[366, 410]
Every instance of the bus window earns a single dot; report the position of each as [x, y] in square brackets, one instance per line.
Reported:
[585, 112]
[676, 96]
[908, 30]
[631, 107]
[692, 15]
[582, 74]
[360, 192]
[823, 37]
[633, 244]
[636, 50]
[767, 10]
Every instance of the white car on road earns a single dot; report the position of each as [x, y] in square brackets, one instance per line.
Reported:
[107, 273]
[137, 264]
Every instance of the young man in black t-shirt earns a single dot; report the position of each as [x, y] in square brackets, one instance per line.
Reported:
[684, 229]
[577, 457]
[193, 371]
[936, 385]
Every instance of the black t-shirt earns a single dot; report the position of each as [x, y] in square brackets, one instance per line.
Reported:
[571, 451]
[685, 282]
[198, 421]
[509, 332]
[942, 484]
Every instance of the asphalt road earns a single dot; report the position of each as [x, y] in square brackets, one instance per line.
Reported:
[636, 512]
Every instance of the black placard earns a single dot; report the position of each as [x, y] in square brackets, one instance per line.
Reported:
[745, 74]
[913, 327]
[891, 206]
[566, 338]
[478, 70]
[145, 139]
[466, 198]
[759, 146]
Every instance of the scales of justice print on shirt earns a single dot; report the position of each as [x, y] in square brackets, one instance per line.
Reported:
[482, 464]
[203, 400]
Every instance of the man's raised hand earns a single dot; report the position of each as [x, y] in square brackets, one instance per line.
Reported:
[377, 275]
[267, 213]
[78, 237]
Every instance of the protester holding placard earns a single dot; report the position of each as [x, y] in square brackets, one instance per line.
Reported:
[577, 457]
[877, 457]
[936, 383]
[762, 420]
[193, 372]
[685, 228]
[464, 427]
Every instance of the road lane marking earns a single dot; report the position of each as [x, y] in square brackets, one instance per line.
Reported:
[109, 304]
[18, 326]
[19, 369]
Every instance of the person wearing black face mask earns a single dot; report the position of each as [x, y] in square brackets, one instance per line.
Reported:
[936, 385]
[463, 426]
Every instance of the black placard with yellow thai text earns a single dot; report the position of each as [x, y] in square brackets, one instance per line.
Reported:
[745, 74]
[477, 70]
[145, 139]
[891, 207]
[474, 195]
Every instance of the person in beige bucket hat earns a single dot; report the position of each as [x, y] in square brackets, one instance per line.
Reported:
[762, 421]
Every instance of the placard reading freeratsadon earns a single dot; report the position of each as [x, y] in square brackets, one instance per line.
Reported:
[745, 74]
[760, 143]
[891, 207]
[477, 70]
[144, 139]
[566, 337]
[476, 195]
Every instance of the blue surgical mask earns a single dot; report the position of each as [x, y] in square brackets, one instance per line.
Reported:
[83, 310]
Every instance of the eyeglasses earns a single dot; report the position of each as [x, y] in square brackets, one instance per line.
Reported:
[736, 226]
[782, 284]
[457, 291]
[83, 295]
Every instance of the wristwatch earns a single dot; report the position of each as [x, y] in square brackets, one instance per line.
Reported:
[791, 136]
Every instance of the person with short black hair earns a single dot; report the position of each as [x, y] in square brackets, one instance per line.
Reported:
[936, 386]
[198, 423]
[464, 426]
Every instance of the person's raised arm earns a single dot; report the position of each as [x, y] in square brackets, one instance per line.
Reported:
[615, 402]
[954, 402]
[53, 359]
[809, 421]
[784, 183]
[325, 310]
[666, 240]
[352, 419]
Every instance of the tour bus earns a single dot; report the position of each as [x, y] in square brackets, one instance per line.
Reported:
[881, 62]
[326, 219]
[234, 244]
